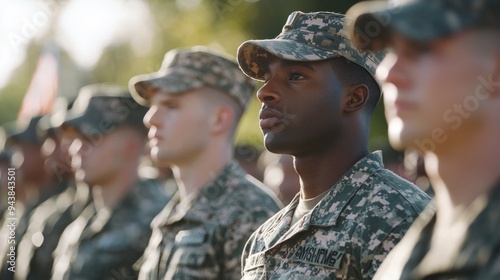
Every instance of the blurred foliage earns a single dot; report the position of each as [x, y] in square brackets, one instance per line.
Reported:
[220, 24]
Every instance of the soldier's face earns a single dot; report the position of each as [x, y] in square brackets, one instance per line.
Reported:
[178, 126]
[98, 160]
[300, 110]
[433, 92]
[28, 159]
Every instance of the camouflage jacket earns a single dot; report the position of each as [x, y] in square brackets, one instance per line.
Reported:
[46, 225]
[105, 244]
[346, 236]
[203, 237]
[21, 217]
[476, 257]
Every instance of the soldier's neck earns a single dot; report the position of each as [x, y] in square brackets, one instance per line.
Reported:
[320, 171]
[460, 174]
[110, 195]
[193, 175]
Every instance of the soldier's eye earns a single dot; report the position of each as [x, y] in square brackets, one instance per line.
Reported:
[296, 76]
[170, 105]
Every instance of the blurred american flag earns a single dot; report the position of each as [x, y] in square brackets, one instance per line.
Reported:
[42, 91]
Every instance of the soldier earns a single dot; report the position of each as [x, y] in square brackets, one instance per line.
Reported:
[33, 185]
[442, 97]
[196, 101]
[317, 100]
[48, 222]
[112, 232]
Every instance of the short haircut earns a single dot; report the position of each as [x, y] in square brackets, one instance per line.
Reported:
[350, 73]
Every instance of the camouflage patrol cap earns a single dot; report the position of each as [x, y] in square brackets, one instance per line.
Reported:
[49, 123]
[305, 37]
[101, 108]
[23, 131]
[191, 68]
[418, 20]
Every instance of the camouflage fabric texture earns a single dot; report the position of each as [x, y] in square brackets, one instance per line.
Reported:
[47, 224]
[420, 20]
[101, 108]
[305, 37]
[203, 237]
[476, 257]
[346, 236]
[186, 69]
[105, 244]
[22, 218]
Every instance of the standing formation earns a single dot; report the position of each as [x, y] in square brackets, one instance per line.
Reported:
[142, 182]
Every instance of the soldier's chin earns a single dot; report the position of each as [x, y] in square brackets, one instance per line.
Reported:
[396, 135]
[397, 144]
[276, 146]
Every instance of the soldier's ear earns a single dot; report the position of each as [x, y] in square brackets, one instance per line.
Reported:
[355, 97]
[221, 119]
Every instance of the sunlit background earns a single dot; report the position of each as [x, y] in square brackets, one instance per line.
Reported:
[60, 46]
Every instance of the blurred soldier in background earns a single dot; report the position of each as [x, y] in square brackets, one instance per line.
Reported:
[34, 184]
[196, 101]
[442, 97]
[317, 100]
[112, 232]
[50, 218]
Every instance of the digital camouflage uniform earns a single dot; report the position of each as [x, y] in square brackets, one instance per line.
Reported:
[364, 215]
[47, 223]
[346, 236]
[104, 245]
[23, 211]
[203, 238]
[477, 255]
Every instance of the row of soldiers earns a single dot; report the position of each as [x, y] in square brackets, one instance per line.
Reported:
[322, 78]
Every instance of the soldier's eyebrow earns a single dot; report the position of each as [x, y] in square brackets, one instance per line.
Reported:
[305, 64]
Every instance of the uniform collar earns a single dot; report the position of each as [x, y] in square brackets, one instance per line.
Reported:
[331, 206]
[198, 206]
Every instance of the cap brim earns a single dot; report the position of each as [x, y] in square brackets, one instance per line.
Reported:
[141, 87]
[376, 21]
[254, 55]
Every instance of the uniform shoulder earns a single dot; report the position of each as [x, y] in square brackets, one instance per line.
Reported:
[396, 190]
[250, 192]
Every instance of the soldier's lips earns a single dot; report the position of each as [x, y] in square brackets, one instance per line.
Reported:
[268, 123]
[269, 118]
[153, 142]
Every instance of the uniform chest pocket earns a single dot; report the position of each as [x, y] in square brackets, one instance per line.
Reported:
[191, 256]
[191, 249]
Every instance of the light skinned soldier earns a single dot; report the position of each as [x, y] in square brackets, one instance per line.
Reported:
[48, 222]
[442, 97]
[317, 100]
[112, 232]
[196, 100]
[34, 184]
